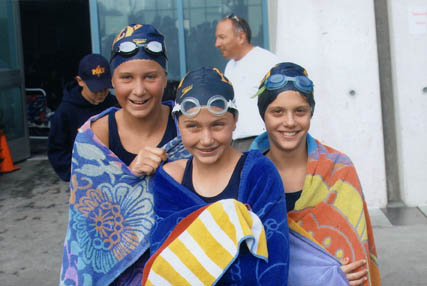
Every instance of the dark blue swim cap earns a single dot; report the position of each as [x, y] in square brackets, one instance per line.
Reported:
[205, 85]
[133, 43]
[267, 96]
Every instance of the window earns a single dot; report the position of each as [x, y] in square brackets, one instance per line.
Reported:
[188, 26]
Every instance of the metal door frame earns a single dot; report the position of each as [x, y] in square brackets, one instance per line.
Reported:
[9, 78]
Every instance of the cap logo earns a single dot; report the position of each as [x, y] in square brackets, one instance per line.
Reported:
[186, 89]
[139, 41]
[98, 71]
[222, 76]
[126, 32]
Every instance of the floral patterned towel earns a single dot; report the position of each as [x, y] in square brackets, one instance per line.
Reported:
[111, 212]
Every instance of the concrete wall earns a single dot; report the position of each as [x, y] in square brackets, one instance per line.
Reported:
[408, 40]
[335, 41]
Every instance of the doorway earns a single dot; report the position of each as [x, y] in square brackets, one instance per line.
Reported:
[55, 36]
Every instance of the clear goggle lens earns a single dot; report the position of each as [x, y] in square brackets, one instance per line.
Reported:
[217, 105]
[302, 83]
[131, 48]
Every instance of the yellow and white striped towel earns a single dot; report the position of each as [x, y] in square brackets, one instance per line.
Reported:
[204, 244]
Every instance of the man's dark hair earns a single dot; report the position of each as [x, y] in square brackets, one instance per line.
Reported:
[240, 25]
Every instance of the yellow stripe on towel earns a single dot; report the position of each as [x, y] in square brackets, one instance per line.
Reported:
[201, 253]
[213, 248]
[166, 272]
[191, 262]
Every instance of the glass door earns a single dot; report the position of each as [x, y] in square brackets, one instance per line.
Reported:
[12, 89]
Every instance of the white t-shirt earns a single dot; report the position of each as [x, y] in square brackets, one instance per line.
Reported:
[246, 75]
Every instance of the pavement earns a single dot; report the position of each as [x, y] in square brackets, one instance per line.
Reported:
[34, 214]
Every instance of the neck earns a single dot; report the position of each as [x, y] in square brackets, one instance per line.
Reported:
[148, 124]
[88, 99]
[285, 160]
[244, 51]
[228, 158]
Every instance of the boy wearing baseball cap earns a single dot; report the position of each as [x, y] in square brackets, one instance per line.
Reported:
[88, 95]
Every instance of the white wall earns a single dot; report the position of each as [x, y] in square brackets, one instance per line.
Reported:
[408, 37]
[335, 41]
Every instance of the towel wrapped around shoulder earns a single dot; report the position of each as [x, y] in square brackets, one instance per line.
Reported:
[330, 220]
[110, 213]
[252, 249]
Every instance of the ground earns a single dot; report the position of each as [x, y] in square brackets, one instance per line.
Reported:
[34, 214]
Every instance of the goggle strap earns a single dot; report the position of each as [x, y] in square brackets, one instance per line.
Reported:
[260, 91]
[176, 108]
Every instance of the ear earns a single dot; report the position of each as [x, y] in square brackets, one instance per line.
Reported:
[165, 83]
[242, 37]
[236, 117]
[80, 81]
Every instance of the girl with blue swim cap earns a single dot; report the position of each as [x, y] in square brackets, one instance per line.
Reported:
[216, 181]
[325, 203]
[136, 132]
[114, 156]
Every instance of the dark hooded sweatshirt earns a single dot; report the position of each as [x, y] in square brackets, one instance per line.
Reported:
[73, 111]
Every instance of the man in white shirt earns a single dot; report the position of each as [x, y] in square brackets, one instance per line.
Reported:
[246, 68]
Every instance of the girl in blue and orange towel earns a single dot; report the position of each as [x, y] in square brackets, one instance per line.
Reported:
[331, 238]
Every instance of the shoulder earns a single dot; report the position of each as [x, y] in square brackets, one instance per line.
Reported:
[271, 58]
[318, 149]
[176, 169]
[99, 127]
[229, 67]
[263, 51]
[65, 112]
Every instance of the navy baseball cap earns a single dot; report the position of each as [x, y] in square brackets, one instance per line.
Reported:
[205, 85]
[138, 42]
[94, 70]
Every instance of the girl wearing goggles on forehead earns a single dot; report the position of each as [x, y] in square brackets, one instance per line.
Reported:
[136, 132]
[331, 238]
[114, 155]
[220, 215]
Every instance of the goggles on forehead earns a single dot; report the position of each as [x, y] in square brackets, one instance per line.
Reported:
[217, 105]
[128, 49]
[276, 81]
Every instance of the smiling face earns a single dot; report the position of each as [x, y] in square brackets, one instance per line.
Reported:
[207, 136]
[139, 86]
[287, 120]
[227, 41]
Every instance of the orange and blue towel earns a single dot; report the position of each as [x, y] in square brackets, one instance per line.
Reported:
[331, 216]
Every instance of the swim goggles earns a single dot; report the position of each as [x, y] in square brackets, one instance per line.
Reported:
[276, 81]
[217, 105]
[128, 49]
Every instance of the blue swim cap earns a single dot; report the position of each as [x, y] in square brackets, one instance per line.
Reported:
[136, 42]
[287, 69]
[205, 85]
